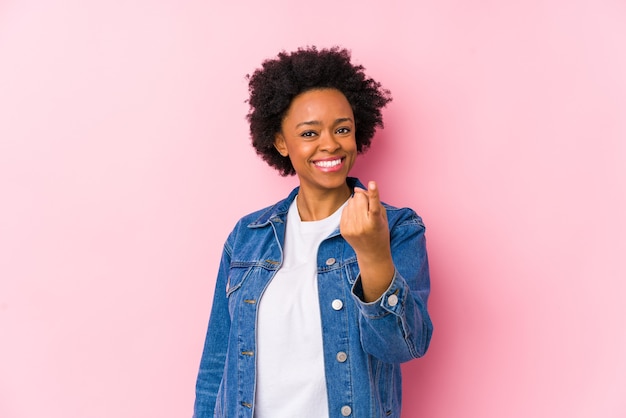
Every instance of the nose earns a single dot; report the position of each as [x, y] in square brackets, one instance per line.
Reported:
[328, 142]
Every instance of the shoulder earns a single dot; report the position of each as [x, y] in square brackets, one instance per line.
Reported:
[258, 216]
[398, 217]
[261, 218]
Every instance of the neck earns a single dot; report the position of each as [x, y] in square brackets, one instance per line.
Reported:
[315, 206]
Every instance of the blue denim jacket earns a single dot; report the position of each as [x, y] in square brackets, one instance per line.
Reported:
[364, 343]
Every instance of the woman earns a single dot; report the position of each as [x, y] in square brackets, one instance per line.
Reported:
[320, 297]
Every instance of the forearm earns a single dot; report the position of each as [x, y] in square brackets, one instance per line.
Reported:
[376, 274]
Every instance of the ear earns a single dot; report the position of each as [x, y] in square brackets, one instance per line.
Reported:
[280, 145]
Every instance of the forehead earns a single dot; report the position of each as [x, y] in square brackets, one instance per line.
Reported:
[319, 103]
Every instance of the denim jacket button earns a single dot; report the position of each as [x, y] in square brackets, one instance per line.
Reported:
[346, 410]
[342, 357]
[337, 304]
[392, 300]
[330, 261]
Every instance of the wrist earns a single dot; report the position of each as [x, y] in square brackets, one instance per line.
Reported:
[375, 279]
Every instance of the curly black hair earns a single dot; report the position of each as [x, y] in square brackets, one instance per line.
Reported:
[273, 86]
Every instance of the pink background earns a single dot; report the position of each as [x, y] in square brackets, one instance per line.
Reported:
[122, 135]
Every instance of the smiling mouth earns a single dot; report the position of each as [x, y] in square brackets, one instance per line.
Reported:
[328, 163]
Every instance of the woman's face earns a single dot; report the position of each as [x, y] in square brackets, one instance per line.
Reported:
[318, 136]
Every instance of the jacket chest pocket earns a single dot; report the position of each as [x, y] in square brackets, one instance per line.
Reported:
[245, 285]
[237, 278]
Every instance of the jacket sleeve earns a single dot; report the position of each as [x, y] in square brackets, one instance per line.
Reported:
[215, 345]
[397, 327]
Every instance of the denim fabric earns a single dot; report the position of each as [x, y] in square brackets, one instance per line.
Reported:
[364, 343]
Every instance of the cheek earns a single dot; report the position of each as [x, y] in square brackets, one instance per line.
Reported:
[302, 151]
[350, 145]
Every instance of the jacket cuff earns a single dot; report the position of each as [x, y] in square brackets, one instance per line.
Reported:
[391, 301]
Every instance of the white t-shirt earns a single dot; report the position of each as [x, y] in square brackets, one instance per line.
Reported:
[290, 357]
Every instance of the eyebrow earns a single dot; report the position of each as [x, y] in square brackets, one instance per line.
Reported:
[316, 122]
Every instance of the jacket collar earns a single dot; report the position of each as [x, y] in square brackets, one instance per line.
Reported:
[278, 212]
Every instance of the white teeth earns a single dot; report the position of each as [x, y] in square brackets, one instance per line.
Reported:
[327, 164]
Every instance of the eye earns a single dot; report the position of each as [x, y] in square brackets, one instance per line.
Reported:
[308, 134]
[343, 130]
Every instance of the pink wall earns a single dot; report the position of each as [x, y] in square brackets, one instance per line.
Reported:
[122, 128]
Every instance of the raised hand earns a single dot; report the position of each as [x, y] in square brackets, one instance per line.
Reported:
[364, 226]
